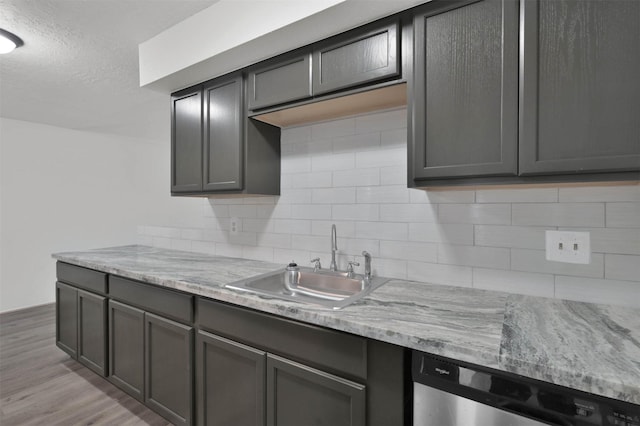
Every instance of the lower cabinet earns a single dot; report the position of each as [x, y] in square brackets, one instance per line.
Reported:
[301, 395]
[242, 385]
[230, 382]
[151, 360]
[242, 367]
[81, 326]
[126, 348]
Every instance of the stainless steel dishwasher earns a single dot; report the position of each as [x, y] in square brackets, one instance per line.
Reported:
[448, 393]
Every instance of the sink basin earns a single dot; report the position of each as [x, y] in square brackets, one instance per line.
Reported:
[330, 289]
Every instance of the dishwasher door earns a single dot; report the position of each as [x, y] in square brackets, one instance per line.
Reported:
[434, 407]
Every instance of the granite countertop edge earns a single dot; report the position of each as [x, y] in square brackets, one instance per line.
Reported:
[382, 315]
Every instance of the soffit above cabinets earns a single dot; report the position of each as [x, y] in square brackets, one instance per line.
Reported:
[373, 100]
[232, 34]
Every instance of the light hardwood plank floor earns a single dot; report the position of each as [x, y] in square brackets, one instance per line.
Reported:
[42, 385]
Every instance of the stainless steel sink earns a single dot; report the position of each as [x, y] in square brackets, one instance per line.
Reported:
[331, 289]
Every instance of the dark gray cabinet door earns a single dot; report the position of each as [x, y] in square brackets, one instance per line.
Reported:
[465, 91]
[231, 382]
[92, 331]
[186, 140]
[168, 374]
[126, 348]
[223, 146]
[359, 59]
[281, 80]
[300, 395]
[67, 319]
[579, 87]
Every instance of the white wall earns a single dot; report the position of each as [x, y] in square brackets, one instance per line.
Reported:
[352, 172]
[63, 190]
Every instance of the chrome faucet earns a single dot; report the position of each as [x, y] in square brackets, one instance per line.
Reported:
[367, 265]
[334, 248]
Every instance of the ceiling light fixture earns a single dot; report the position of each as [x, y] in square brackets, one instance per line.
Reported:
[9, 41]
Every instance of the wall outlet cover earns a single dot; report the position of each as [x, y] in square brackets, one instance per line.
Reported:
[568, 247]
[234, 225]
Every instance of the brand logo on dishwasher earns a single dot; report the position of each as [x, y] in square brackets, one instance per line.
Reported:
[442, 371]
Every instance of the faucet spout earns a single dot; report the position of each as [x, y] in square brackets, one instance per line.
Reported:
[334, 248]
[367, 265]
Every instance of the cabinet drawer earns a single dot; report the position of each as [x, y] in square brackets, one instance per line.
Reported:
[87, 279]
[282, 80]
[360, 59]
[169, 303]
[330, 350]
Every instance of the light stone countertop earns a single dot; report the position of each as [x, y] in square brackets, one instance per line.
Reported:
[593, 348]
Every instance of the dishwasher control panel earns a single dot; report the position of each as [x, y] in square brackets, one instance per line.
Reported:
[535, 399]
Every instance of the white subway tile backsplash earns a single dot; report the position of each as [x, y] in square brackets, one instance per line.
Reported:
[435, 273]
[558, 214]
[409, 250]
[333, 195]
[387, 268]
[393, 138]
[330, 162]
[442, 196]
[343, 228]
[408, 212]
[393, 175]
[622, 267]
[295, 164]
[329, 129]
[383, 194]
[292, 226]
[528, 283]
[623, 215]
[353, 172]
[311, 211]
[258, 253]
[517, 195]
[257, 225]
[612, 240]
[481, 214]
[600, 194]
[229, 250]
[484, 257]
[268, 239]
[356, 143]
[441, 233]
[311, 243]
[355, 212]
[381, 158]
[382, 230]
[510, 236]
[535, 261]
[379, 121]
[610, 292]
[359, 177]
[243, 211]
[311, 180]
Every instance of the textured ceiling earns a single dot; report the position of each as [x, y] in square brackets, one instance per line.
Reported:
[78, 67]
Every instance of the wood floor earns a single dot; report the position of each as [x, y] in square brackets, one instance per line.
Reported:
[41, 385]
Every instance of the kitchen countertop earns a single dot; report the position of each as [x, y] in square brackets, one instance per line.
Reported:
[590, 347]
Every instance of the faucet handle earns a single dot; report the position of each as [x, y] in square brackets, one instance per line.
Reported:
[350, 266]
[316, 264]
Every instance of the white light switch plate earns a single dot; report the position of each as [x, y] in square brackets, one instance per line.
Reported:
[568, 247]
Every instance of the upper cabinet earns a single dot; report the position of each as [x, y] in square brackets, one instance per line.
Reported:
[360, 57]
[283, 79]
[580, 90]
[536, 91]
[186, 140]
[465, 90]
[215, 148]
